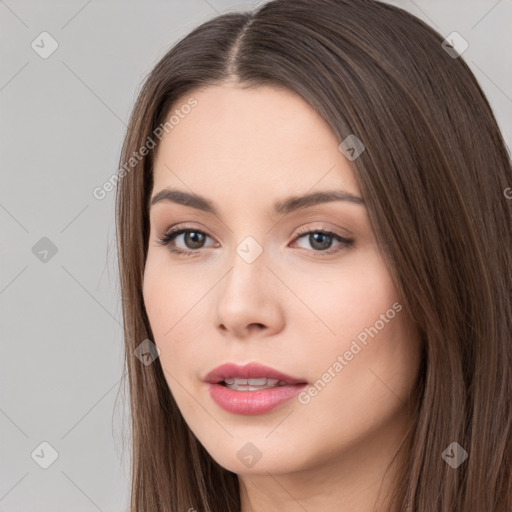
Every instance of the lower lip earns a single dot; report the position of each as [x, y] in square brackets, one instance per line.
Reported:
[253, 402]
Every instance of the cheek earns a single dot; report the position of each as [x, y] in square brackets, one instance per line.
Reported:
[158, 300]
[344, 299]
[174, 309]
[169, 294]
[162, 306]
[369, 347]
[359, 388]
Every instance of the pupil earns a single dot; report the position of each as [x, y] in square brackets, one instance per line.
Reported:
[194, 244]
[313, 239]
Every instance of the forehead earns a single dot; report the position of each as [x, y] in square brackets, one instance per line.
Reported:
[246, 140]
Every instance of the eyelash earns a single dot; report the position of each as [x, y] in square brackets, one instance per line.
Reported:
[168, 237]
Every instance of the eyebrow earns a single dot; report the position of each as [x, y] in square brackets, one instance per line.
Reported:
[283, 207]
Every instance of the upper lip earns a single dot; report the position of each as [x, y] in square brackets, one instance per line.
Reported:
[249, 371]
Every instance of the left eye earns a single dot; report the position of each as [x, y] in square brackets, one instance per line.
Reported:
[320, 239]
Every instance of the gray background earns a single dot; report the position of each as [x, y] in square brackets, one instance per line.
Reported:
[63, 119]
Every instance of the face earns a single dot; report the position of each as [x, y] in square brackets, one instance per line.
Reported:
[304, 291]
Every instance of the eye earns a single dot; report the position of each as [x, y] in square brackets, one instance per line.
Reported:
[194, 237]
[320, 240]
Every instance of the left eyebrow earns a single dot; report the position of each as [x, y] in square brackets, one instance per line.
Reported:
[283, 207]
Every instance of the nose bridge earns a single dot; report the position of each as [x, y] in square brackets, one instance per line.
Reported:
[249, 250]
[247, 264]
[245, 297]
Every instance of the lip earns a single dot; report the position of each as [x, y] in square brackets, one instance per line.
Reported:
[249, 371]
[251, 402]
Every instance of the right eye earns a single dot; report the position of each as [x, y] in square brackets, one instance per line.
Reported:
[194, 238]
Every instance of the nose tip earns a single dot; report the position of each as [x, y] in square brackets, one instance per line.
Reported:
[246, 305]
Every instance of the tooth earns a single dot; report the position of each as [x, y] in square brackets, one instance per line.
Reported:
[257, 382]
[248, 388]
[239, 384]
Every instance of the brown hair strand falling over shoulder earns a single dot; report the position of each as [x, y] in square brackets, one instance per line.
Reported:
[432, 177]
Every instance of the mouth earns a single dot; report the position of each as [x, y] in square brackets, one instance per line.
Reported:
[251, 389]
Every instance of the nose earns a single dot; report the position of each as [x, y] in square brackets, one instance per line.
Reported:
[248, 301]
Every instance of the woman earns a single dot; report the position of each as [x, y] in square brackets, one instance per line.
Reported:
[314, 247]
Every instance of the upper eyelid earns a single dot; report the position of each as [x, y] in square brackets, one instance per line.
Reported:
[298, 232]
[301, 232]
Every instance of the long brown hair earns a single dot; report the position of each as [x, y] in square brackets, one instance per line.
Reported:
[433, 177]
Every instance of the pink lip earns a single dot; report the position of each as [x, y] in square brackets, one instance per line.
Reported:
[251, 402]
[249, 371]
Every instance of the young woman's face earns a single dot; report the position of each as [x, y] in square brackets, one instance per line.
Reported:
[267, 286]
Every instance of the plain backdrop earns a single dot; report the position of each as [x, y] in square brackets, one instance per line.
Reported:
[62, 123]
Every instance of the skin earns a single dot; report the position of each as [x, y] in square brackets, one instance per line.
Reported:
[292, 308]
